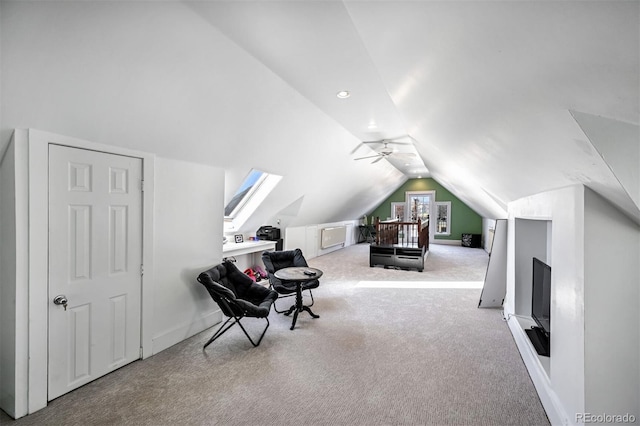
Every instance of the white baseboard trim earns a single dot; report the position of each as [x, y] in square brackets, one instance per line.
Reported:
[447, 242]
[549, 399]
[331, 249]
[183, 331]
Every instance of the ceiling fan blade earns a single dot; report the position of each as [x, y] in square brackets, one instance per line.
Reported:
[396, 140]
[387, 141]
[401, 137]
[375, 161]
[371, 156]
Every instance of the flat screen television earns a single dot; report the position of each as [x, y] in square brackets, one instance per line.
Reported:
[541, 307]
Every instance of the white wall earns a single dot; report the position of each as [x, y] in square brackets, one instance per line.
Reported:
[534, 234]
[612, 314]
[7, 281]
[182, 236]
[157, 77]
[562, 392]
[595, 278]
[308, 238]
[188, 240]
[13, 280]
[617, 143]
[487, 224]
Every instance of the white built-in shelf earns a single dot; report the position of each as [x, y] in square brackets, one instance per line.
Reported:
[247, 247]
[545, 361]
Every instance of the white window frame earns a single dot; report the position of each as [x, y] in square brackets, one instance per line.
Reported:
[251, 200]
[432, 206]
[254, 188]
[448, 217]
[394, 206]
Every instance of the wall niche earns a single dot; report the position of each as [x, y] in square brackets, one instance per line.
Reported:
[532, 239]
[593, 250]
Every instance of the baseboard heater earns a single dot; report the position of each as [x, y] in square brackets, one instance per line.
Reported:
[333, 236]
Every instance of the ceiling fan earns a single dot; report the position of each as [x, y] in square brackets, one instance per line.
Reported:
[386, 151]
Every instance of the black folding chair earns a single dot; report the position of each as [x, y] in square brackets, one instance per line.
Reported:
[275, 260]
[238, 296]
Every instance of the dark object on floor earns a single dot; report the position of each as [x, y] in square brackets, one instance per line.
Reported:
[400, 244]
[238, 296]
[275, 260]
[472, 240]
[403, 257]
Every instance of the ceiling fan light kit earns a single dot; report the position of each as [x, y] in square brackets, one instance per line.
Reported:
[386, 151]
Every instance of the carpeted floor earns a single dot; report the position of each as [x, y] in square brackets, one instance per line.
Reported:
[378, 355]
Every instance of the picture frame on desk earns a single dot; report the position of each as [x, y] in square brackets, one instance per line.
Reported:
[238, 238]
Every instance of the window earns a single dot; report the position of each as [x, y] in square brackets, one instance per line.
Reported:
[443, 217]
[418, 205]
[253, 191]
[249, 186]
[397, 211]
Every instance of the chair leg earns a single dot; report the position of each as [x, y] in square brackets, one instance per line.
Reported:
[281, 297]
[249, 337]
[221, 331]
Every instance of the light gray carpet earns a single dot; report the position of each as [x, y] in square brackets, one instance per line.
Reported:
[375, 356]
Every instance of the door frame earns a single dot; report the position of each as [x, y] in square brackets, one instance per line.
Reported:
[38, 269]
[432, 209]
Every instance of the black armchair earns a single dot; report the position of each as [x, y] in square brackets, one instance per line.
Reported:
[275, 260]
[238, 296]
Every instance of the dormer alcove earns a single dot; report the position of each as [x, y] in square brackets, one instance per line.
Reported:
[593, 249]
[533, 239]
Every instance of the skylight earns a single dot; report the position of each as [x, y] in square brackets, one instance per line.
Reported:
[251, 193]
[250, 184]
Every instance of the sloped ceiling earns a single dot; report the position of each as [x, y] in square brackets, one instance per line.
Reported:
[503, 99]
[156, 77]
[485, 88]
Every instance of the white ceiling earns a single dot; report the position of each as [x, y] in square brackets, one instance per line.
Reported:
[501, 99]
[486, 89]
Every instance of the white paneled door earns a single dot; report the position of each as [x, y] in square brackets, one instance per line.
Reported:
[95, 257]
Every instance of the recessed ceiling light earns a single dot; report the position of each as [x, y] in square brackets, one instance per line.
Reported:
[372, 125]
[343, 94]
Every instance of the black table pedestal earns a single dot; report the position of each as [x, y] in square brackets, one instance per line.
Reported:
[298, 276]
[299, 307]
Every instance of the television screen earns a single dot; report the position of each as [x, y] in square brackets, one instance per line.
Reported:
[541, 300]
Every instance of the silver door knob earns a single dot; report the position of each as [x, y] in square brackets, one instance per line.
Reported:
[60, 300]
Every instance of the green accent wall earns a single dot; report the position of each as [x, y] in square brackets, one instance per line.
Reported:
[463, 219]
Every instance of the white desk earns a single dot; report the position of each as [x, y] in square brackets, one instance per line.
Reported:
[248, 253]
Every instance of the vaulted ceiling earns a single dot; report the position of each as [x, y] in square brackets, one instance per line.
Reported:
[501, 99]
[489, 90]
